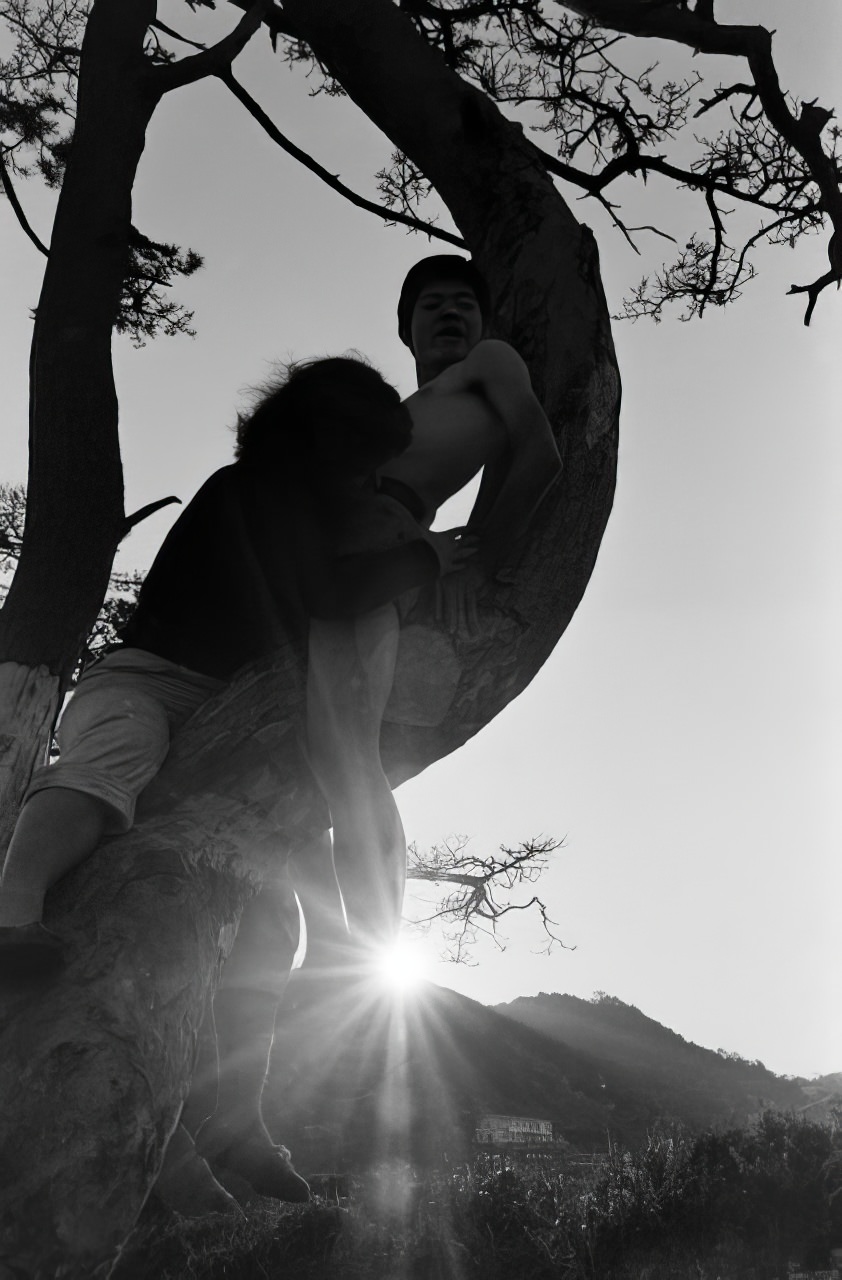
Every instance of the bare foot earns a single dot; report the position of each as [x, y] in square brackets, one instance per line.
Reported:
[251, 1154]
[186, 1183]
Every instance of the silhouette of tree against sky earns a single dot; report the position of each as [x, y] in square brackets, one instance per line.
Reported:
[607, 114]
[479, 892]
[161, 905]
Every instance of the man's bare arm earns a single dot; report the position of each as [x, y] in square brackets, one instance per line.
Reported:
[513, 486]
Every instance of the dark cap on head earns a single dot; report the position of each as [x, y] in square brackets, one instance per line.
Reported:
[439, 266]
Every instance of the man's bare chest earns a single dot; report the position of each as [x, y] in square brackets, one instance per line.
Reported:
[455, 433]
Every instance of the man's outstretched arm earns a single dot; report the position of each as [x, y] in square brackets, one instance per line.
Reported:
[514, 485]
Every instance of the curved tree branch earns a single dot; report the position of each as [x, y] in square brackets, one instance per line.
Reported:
[388, 215]
[17, 208]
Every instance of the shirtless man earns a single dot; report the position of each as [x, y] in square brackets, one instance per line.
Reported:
[474, 409]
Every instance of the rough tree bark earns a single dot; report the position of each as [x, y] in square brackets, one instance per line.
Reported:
[75, 517]
[94, 1069]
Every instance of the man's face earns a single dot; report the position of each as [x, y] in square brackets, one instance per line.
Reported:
[446, 322]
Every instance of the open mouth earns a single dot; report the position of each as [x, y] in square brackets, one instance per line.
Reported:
[451, 331]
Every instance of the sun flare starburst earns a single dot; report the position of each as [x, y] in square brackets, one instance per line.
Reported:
[401, 966]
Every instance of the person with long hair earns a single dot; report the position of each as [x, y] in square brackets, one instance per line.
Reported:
[290, 545]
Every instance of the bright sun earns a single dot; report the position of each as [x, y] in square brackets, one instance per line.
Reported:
[401, 966]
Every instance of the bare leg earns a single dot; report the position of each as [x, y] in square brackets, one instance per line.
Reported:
[186, 1183]
[113, 737]
[235, 1141]
[369, 850]
[315, 883]
[351, 667]
[57, 829]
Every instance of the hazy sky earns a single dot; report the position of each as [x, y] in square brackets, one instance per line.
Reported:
[684, 737]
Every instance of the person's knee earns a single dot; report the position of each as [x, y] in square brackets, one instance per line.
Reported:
[112, 743]
[58, 814]
[128, 729]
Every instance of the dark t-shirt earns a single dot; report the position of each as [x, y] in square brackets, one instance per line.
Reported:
[254, 557]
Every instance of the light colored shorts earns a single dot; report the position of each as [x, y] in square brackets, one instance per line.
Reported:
[114, 732]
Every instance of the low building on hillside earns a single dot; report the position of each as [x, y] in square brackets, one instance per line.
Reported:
[515, 1131]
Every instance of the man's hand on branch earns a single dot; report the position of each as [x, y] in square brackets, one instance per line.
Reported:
[462, 576]
[456, 598]
[454, 548]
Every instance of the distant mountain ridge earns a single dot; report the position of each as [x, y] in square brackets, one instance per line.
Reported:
[377, 1076]
[662, 1075]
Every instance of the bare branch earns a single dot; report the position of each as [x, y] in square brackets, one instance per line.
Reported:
[388, 215]
[275, 20]
[764, 232]
[716, 254]
[723, 94]
[17, 209]
[774, 160]
[754, 43]
[656, 231]
[611, 209]
[123, 588]
[473, 906]
[524, 52]
[176, 35]
[211, 61]
[813, 290]
[143, 512]
[639, 162]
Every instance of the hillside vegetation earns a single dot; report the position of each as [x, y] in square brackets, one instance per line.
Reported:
[378, 1100]
[738, 1205]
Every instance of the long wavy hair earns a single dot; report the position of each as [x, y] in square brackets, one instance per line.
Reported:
[336, 415]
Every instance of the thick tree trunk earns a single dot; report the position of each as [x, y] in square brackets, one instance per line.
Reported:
[95, 1069]
[74, 515]
[28, 697]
